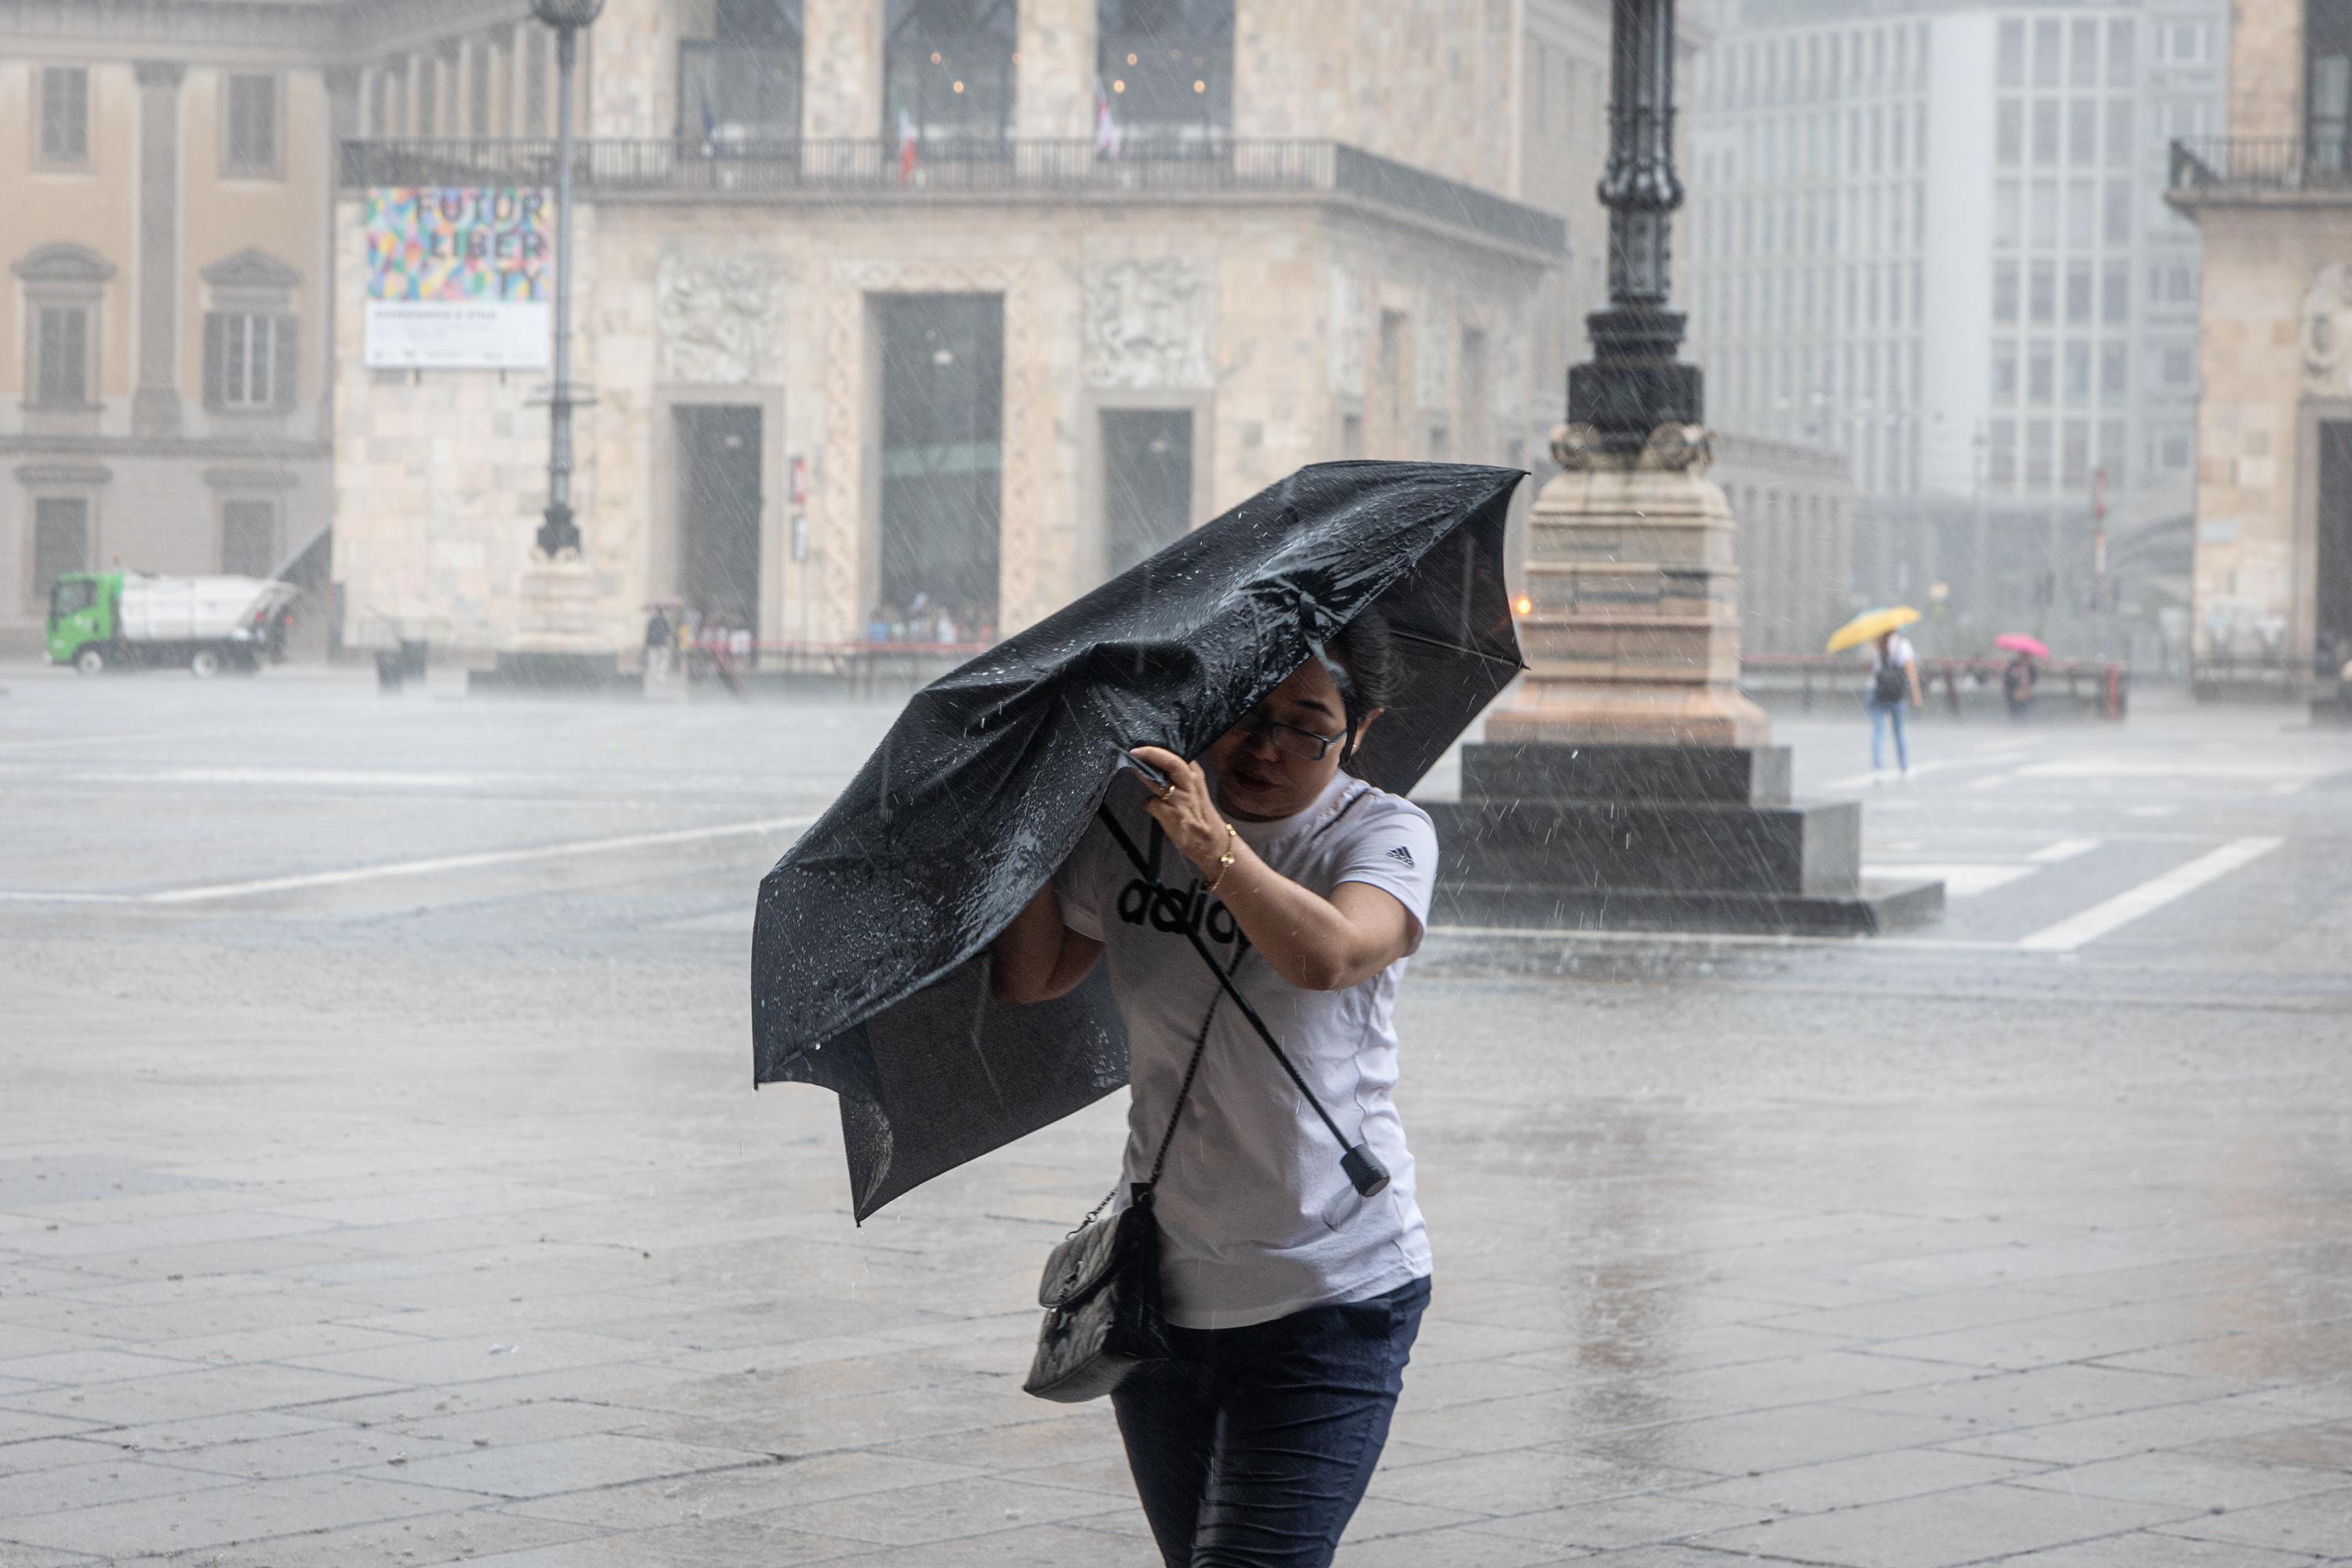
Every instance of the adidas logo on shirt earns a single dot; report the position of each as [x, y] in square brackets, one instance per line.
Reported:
[1401, 854]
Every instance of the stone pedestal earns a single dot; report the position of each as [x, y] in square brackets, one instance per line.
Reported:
[558, 645]
[1627, 782]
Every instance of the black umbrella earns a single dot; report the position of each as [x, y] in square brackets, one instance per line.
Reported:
[868, 959]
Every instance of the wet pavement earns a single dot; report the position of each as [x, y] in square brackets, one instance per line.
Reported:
[381, 1180]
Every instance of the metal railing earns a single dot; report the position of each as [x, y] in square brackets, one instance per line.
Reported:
[874, 169]
[2099, 688]
[2246, 165]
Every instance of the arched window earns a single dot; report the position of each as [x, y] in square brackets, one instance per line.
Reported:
[1167, 71]
[947, 75]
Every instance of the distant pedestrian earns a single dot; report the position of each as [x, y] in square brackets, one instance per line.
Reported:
[1893, 692]
[2016, 683]
[661, 653]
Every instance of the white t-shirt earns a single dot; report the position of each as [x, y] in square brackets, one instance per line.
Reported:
[1257, 1218]
[1898, 651]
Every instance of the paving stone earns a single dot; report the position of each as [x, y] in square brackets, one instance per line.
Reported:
[2151, 1549]
[1967, 1525]
[1871, 1478]
[750, 1489]
[941, 1511]
[2214, 1481]
[467, 1537]
[2321, 1522]
[221, 1391]
[2000, 1400]
[2325, 1445]
[1520, 1480]
[1621, 1521]
[563, 1465]
[119, 1478]
[1768, 1440]
[2177, 1425]
[311, 1453]
[222, 1515]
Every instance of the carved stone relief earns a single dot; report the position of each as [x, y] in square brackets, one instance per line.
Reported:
[2326, 318]
[1150, 325]
[721, 320]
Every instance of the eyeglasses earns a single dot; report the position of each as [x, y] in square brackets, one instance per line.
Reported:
[1288, 739]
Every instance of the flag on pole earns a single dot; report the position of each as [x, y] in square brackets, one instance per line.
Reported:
[1107, 134]
[905, 143]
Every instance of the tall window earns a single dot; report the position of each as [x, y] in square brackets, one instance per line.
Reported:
[60, 540]
[744, 83]
[948, 74]
[249, 362]
[249, 143]
[61, 355]
[65, 116]
[1167, 68]
[2327, 96]
[248, 538]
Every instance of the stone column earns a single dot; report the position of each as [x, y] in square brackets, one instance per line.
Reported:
[346, 109]
[155, 404]
[1053, 95]
[841, 45]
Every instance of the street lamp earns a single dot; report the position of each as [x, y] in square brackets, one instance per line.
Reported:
[1635, 381]
[567, 18]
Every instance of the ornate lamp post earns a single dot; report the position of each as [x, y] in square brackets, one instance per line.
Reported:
[1633, 384]
[1628, 782]
[557, 533]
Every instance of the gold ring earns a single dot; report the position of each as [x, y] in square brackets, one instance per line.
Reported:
[1169, 791]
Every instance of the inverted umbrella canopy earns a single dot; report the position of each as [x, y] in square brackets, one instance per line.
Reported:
[1870, 626]
[2018, 642]
[868, 955]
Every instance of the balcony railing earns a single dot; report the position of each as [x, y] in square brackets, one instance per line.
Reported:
[836, 170]
[2227, 166]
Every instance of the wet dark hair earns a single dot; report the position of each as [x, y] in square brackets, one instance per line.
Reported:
[1366, 648]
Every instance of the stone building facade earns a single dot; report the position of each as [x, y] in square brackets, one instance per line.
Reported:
[1929, 234]
[164, 343]
[2272, 199]
[1795, 547]
[1329, 260]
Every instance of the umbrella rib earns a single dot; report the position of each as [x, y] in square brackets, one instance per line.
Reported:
[1439, 643]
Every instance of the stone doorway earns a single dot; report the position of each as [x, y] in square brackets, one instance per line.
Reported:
[2332, 554]
[1146, 457]
[718, 448]
[942, 459]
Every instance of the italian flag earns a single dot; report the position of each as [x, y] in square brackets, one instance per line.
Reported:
[905, 143]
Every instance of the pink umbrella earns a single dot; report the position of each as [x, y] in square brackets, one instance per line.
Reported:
[2018, 642]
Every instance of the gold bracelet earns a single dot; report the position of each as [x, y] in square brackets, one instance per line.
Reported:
[1224, 861]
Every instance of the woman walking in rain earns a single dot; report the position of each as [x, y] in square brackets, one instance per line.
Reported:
[1292, 1301]
[1893, 691]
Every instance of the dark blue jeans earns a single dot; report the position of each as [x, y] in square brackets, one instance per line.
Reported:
[1252, 1447]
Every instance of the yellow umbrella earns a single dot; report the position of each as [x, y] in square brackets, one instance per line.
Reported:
[1869, 625]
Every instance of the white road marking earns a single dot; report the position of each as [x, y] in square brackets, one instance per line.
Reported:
[30, 896]
[78, 740]
[1711, 938]
[470, 862]
[2150, 810]
[1962, 880]
[2064, 849]
[2188, 768]
[2148, 897]
[358, 778]
[1990, 756]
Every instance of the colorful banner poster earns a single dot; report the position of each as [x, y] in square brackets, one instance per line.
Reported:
[459, 278]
